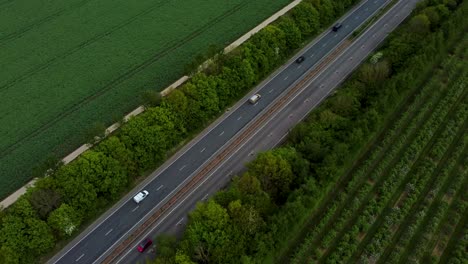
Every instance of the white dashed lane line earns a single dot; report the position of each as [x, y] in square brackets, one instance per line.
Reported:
[180, 221]
[108, 232]
[78, 259]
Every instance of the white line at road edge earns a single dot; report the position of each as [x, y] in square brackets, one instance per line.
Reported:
[189, 146]
[248, 139]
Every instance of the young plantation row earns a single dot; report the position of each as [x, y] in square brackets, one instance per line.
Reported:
[374, 185]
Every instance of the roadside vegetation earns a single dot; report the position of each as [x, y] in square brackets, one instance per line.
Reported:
[60, 205]
[377, 174]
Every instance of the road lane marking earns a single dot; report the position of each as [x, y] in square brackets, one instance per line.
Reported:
[300, 65]
[134, 209]
[78, 259]
[324, 44]
[160, 187]
[347, 26]
[182, 167]
[336, 35]
[204, 197]
[108, 232]
[180, 221]
[221, 133]
[239, 118]
[356, 17]
[286, 78]
[312, 55]
[205, 148]
[271, 90]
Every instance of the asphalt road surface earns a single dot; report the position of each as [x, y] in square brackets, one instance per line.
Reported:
[98, 240]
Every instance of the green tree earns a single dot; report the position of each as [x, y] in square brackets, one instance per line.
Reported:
[372, 74]
[274, 173]
[166, 248]
[208, 235]
[203, 101]
[299, 165]
[115, 148]
[76, 189]
[419, 24]
[292, 33]
[271, 40]
[65, 220]
[44, 201]
[246, 218]
[306, 18]
[344, 104]
[182, 258]
[177, 103]
[105, 173]
[29, 237]
[146, 143]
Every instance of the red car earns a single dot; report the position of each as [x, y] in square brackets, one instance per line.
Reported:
[144, 244]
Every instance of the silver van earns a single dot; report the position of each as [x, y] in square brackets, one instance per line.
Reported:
[254, 98]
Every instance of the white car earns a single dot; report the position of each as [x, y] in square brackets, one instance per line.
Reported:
[140, 196]
[254, 98]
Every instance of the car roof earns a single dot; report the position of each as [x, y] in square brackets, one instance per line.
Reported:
[144, 242]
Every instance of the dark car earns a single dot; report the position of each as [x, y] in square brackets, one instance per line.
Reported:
[300, 59]
[337, 26]
[144, 244]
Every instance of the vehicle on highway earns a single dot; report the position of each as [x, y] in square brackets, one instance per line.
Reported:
[300, 59]
[337, 26]
[144, 244]
[140, 196]
[254, 98]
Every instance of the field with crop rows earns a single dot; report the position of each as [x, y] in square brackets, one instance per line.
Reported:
[406, 203]
[67, 65]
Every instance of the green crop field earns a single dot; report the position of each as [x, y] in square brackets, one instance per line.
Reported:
[406, 202]
[67, 65]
